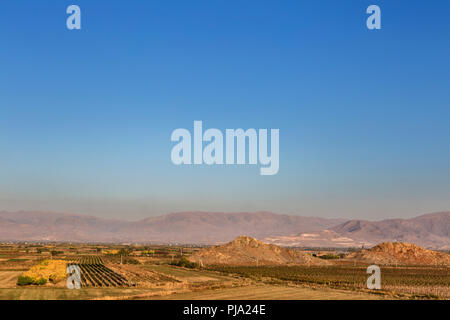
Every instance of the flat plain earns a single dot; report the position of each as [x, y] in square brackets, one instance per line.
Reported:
[165, 272]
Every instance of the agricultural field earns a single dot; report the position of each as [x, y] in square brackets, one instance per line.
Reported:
[107, 272]
[270, 292]
[95, 274]
[408, 282]
[163, 272]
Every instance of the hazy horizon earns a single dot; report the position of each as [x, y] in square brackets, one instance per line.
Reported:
[137, 218]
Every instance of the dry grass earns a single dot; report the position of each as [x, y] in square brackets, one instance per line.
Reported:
[269, 292]
[8, 279]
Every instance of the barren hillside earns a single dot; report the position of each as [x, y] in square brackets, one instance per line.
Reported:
[248, 251]
[401, 253]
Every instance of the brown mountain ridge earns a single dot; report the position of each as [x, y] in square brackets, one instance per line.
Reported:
[429, 230]
[183, 227]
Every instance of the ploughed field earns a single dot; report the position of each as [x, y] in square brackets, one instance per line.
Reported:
[95, 274]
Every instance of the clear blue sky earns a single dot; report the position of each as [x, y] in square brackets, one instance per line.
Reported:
[364, 116]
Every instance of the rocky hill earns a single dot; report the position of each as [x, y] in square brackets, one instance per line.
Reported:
[401, 253]
[248, 251]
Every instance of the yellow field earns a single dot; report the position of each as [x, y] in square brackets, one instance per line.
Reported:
[47, 270]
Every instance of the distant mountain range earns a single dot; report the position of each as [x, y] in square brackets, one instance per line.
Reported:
[431, 230]
[182, 227]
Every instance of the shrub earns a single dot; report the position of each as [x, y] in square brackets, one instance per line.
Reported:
[24, 281]
[40, 281]
[329, 256]
[185, 263]
[27, 280]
